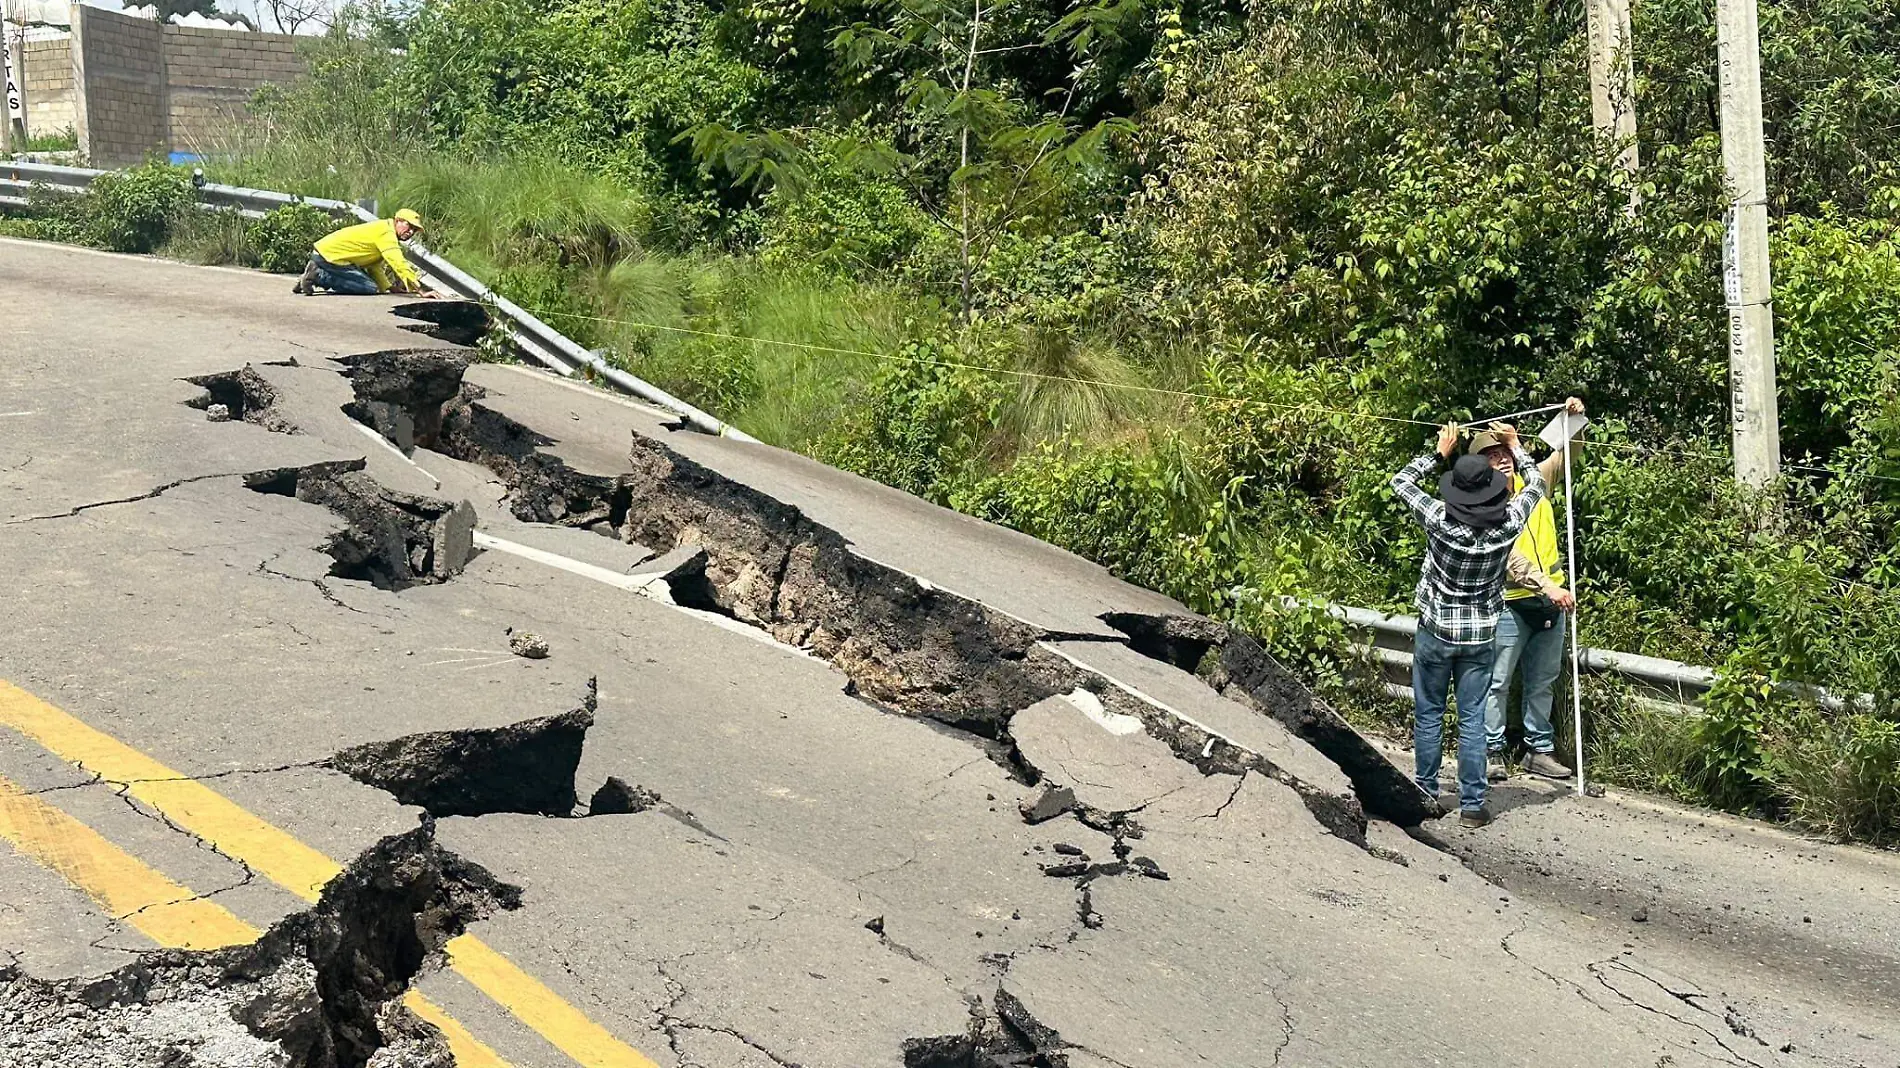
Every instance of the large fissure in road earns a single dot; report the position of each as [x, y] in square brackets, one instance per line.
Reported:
[321, 989]
[904, 644]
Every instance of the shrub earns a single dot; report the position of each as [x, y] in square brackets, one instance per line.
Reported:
[1639, 742]
[840, 222]
[132, 210]
[1729, 768]
[918, 426]
[280, 241]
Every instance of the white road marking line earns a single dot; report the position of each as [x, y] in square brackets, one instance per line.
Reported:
[652, 587]
[1091, 706]
[8, 415]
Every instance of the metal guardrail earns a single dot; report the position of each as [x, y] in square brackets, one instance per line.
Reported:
[527, 333]
[1388, 639]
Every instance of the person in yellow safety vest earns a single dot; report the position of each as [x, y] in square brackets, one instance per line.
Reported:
[364, 259]
[1530, 634]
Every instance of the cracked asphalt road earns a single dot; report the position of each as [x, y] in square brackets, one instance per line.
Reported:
[831, 877]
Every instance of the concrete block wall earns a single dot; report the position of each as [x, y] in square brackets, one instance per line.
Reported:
[146, 87]
[46, 76]
[210, 76]
[119, 68]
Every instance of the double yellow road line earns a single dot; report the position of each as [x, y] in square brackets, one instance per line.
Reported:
[172, 915]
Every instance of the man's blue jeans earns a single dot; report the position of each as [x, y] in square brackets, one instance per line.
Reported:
[1436, 666]
[353, 281]
[1539, 655]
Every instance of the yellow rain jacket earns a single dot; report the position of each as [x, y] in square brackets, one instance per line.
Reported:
[373, 247]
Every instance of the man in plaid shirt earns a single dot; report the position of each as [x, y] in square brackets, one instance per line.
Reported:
[1469, 530]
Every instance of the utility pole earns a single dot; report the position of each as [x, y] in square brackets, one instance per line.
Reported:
[1613, 81]
[1753, 416]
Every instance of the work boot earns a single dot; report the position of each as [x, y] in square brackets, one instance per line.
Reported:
[1497, 767]
[307, 282]
[1475, 818]
[1545, 765]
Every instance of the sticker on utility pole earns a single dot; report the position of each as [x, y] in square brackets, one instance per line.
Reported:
[1731, 258]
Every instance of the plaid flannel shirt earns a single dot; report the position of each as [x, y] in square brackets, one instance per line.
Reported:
[1461, 587]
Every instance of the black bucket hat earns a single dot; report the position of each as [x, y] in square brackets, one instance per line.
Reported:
[1474, 493]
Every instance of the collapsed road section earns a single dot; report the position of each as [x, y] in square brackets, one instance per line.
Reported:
[904, 644]
[861, 880]
[321, 989]
[390, 539]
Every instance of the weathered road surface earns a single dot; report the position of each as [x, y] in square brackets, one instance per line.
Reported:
[220, 644]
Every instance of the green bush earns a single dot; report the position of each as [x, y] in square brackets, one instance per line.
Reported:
[841, 223]
[132, 210]
[1730, 765]
[280, 241]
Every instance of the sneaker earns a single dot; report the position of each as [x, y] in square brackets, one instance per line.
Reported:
[1545, 765]
[1496, 767]
[1475, 817]
[307, 282]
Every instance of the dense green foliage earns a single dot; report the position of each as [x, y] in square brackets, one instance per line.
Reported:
[1177, 287]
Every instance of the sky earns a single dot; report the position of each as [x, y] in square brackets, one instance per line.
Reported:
[254, 9]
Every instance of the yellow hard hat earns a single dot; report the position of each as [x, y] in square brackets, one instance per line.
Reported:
[409, 216]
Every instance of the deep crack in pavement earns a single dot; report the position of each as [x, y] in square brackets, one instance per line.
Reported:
[321, 989]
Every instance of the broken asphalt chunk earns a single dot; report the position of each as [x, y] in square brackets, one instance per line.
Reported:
[400, 392]
[528, 646]
[1051, 802]
[524, 767]
[322, 988]
[244, 395]
[391, 539]
[615, 797]
[1146, 866]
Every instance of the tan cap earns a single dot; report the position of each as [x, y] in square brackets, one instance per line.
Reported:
[1487, 439]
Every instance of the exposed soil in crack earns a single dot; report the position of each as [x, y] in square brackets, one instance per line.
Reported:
[459, 322]
[393, 540]
[526, 767]
[320, 989]
[1003, 1035]
[523, 767]
[243, 395]
[1237, 667]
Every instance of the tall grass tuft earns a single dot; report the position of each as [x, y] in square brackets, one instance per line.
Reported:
[1066, 389]
[527, 207]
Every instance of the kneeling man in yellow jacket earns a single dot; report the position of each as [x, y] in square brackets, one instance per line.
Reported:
[364, 259]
